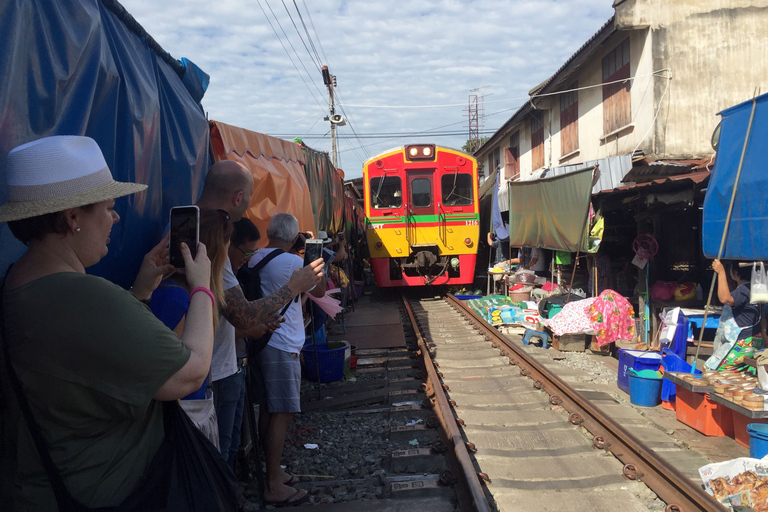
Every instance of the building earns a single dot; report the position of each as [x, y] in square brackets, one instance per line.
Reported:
[648, 84]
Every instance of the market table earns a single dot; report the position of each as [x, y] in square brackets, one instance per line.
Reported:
[502, 276]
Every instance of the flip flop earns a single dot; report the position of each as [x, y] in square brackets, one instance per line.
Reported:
[290, 501]
[293, 480]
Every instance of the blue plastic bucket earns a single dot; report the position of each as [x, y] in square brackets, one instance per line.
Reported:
[758, 440]
[329, 362]
[645, 392]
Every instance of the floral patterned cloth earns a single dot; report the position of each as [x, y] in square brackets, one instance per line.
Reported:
[612, 318]
[572, 319]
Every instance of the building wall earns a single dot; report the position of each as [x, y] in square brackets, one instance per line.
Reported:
[715, 50]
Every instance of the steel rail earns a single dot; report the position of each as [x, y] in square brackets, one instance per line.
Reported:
[640, 462]
[445, 416]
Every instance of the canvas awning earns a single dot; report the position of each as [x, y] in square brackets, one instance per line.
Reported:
[550, 213]
[279, 182]
[749, 221]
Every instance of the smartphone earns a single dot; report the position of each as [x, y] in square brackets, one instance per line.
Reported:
[313, 249]
[185, 227]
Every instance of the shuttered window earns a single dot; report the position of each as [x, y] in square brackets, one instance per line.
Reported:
[617, 110]
[512, 157]
[569, 121]
[537, 139]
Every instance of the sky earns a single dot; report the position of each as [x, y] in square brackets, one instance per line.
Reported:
[404, 69]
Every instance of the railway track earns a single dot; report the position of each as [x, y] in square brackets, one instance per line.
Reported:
[529, 440]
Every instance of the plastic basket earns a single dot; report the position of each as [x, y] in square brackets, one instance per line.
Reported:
[700, 413]
[740, 423]
[672, 363]
[331, 363]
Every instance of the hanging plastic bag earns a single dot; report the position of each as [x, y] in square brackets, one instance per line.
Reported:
[759, 286]
[725, 338]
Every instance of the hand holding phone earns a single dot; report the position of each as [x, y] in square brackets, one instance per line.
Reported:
[313, 249]
[185, 227]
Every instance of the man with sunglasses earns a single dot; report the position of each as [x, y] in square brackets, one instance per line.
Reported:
[229, 186]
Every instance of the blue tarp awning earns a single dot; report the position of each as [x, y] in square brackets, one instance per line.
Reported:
[747, 237]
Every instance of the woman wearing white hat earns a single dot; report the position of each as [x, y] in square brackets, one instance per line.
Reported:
[93, 362]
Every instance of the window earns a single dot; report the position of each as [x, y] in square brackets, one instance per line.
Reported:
[537, 139]
[456, 189]
[421, 192]
[512, 157]
[569, 120]
[617, 111]
[386, 192]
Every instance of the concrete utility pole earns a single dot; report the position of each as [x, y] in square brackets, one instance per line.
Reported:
[330, 82]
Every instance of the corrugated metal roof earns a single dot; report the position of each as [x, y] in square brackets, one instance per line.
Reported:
[694, 177]
[612, 171]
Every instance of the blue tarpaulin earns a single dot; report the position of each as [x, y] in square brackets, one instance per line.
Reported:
[72, 67]
[747, 237]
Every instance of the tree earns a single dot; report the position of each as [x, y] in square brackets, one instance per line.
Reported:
[471, 145]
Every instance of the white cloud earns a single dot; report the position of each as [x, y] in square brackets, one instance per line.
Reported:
[382, 53]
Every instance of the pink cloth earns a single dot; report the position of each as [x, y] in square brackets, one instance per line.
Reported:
[572, 319]
[612, 318]
[327, 303]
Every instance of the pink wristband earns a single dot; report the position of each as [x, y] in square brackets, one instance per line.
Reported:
[206, 290]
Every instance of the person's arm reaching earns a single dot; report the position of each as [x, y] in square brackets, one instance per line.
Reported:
[723, 291]
[245, 315]
[198, 330]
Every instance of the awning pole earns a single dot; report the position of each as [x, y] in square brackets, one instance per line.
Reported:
[725, 229]
[583, 239]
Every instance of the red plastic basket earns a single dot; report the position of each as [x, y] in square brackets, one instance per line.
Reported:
[700, 413]
[740, 422]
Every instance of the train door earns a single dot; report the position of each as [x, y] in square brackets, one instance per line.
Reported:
[421, 201]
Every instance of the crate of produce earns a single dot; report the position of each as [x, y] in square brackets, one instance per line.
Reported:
[700, 413]
[637, 360]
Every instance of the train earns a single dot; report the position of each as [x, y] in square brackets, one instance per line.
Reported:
[422, 216]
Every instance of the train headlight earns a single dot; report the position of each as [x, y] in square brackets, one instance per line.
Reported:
[379, 245]
[467, 241]
[426, 151]
[420, 152]
[455, 262]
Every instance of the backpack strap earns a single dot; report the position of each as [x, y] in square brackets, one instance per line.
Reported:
[269, 257]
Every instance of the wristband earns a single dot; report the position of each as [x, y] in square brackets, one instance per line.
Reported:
[206, 290]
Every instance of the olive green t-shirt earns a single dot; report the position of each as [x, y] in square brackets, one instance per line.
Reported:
[90, 358]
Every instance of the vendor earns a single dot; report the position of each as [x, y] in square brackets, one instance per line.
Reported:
[531, 259]
[746, 315]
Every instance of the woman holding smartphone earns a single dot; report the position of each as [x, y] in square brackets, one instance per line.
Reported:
[93, 362]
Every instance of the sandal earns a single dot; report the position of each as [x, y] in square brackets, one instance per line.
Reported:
[290, 500]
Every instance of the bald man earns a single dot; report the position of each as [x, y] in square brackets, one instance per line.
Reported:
[229, 186]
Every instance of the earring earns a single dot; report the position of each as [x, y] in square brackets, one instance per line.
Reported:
[77, 229]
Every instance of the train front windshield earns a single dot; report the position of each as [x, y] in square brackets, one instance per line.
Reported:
[456, 189]
[386, 192]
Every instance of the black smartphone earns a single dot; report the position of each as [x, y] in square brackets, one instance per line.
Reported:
[185, 227]
[313, 249]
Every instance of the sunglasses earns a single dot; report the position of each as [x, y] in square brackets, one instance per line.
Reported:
[247, 254]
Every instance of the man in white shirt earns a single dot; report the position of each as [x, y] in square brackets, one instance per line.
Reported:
[279, 360]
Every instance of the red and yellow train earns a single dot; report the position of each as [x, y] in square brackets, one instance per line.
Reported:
[422, 216]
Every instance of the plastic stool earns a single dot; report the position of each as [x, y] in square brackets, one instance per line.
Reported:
[533, 333]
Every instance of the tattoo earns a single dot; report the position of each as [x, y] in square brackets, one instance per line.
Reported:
[245, 315]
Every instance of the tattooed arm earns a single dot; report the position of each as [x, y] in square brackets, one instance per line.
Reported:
[247, 316]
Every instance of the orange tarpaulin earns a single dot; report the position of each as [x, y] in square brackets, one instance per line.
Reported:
[280, 185]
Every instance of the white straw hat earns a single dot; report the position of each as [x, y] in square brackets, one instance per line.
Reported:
[55, 173]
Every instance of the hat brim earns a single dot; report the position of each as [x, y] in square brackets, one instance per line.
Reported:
[327, 240]
[18, 210]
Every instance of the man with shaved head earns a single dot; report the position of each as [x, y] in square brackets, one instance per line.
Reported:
[229, 186]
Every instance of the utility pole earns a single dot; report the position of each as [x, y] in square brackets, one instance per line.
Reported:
[330, 82]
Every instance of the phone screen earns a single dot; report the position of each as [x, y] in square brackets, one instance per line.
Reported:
[313, 249]
[185, 227]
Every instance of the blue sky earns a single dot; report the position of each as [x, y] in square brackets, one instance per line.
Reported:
[401, 67]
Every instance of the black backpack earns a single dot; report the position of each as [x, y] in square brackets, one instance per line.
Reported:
[250, 282]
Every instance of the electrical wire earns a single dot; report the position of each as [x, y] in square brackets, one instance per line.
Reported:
[325, 59]
[309, 38]
[289, 55]
[312, 57]
[658, 109]
[290, 44]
